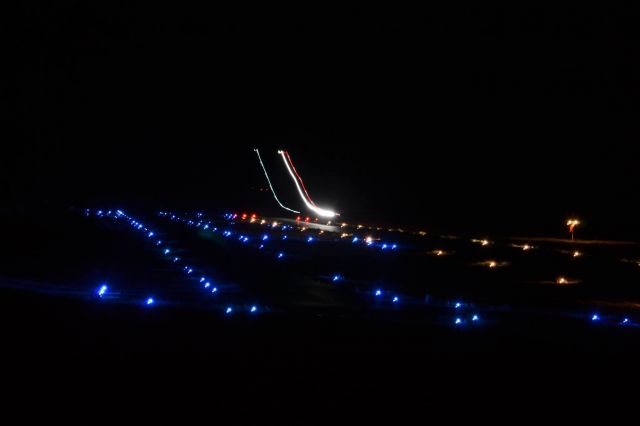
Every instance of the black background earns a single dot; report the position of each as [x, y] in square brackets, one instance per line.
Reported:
[462, 119]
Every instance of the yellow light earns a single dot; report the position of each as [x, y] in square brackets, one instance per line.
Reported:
[262, 222]
[577, 254]
[484, 242]
[492, 264]
[274, 224]
[526, 247]
[562, 280]
[343, 225]
[368, 239]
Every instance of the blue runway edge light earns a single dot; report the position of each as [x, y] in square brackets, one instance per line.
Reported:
[102, 290]
[150, 301]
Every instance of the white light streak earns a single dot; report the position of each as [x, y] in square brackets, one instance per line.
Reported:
[310, 206]
[264, 169]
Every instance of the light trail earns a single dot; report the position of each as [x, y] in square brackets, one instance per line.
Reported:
[264, 169]
[299, 178]
[307, 202]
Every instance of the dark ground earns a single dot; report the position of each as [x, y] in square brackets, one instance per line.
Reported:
[305, 355]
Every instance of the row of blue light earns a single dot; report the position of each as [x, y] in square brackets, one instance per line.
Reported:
[138, 226]
[378, 293]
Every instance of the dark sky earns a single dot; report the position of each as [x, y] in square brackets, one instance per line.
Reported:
[465, 119]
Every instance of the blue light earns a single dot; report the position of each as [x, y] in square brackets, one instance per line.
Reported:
[280, 255]
[393, 247]
[254, 309]
[261, 246]
[310, 239]
[595, 317]
[214, 290]
[245, 239]
[384, 247]
[102, 290]
[175, 259]
[189, 271]
[207, 284]
[206, 227]
[378, 292]
[158, 242]
[284, 237]
[458, 321]
[475, 318]
[202, 279]
[336, 278]
[625, 321]
[167, 251]
[355, 240]
[229, 310]
[150, 301]
[151, 234]
[369, 243]
[395, 299]
[458, 305]
[265, 237]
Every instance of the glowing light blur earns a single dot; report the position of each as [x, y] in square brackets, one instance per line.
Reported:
[102, 290]
[308, 202]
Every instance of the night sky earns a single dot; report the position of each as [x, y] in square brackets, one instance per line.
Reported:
[470, 119]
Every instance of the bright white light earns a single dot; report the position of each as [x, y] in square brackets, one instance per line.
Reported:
[102, 290]
[264, 169]
[378, 292]
[458, 321]
[310, 206]
[254, 308]
[395, 299]
[229, 310]
[595, 317]
[475, 318]
[150, 301]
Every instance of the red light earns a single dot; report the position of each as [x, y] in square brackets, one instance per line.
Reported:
[244, 216]
[307, 219]
[298, 219]
[253, 216]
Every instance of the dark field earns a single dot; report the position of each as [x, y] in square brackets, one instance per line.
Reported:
[338, 339]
